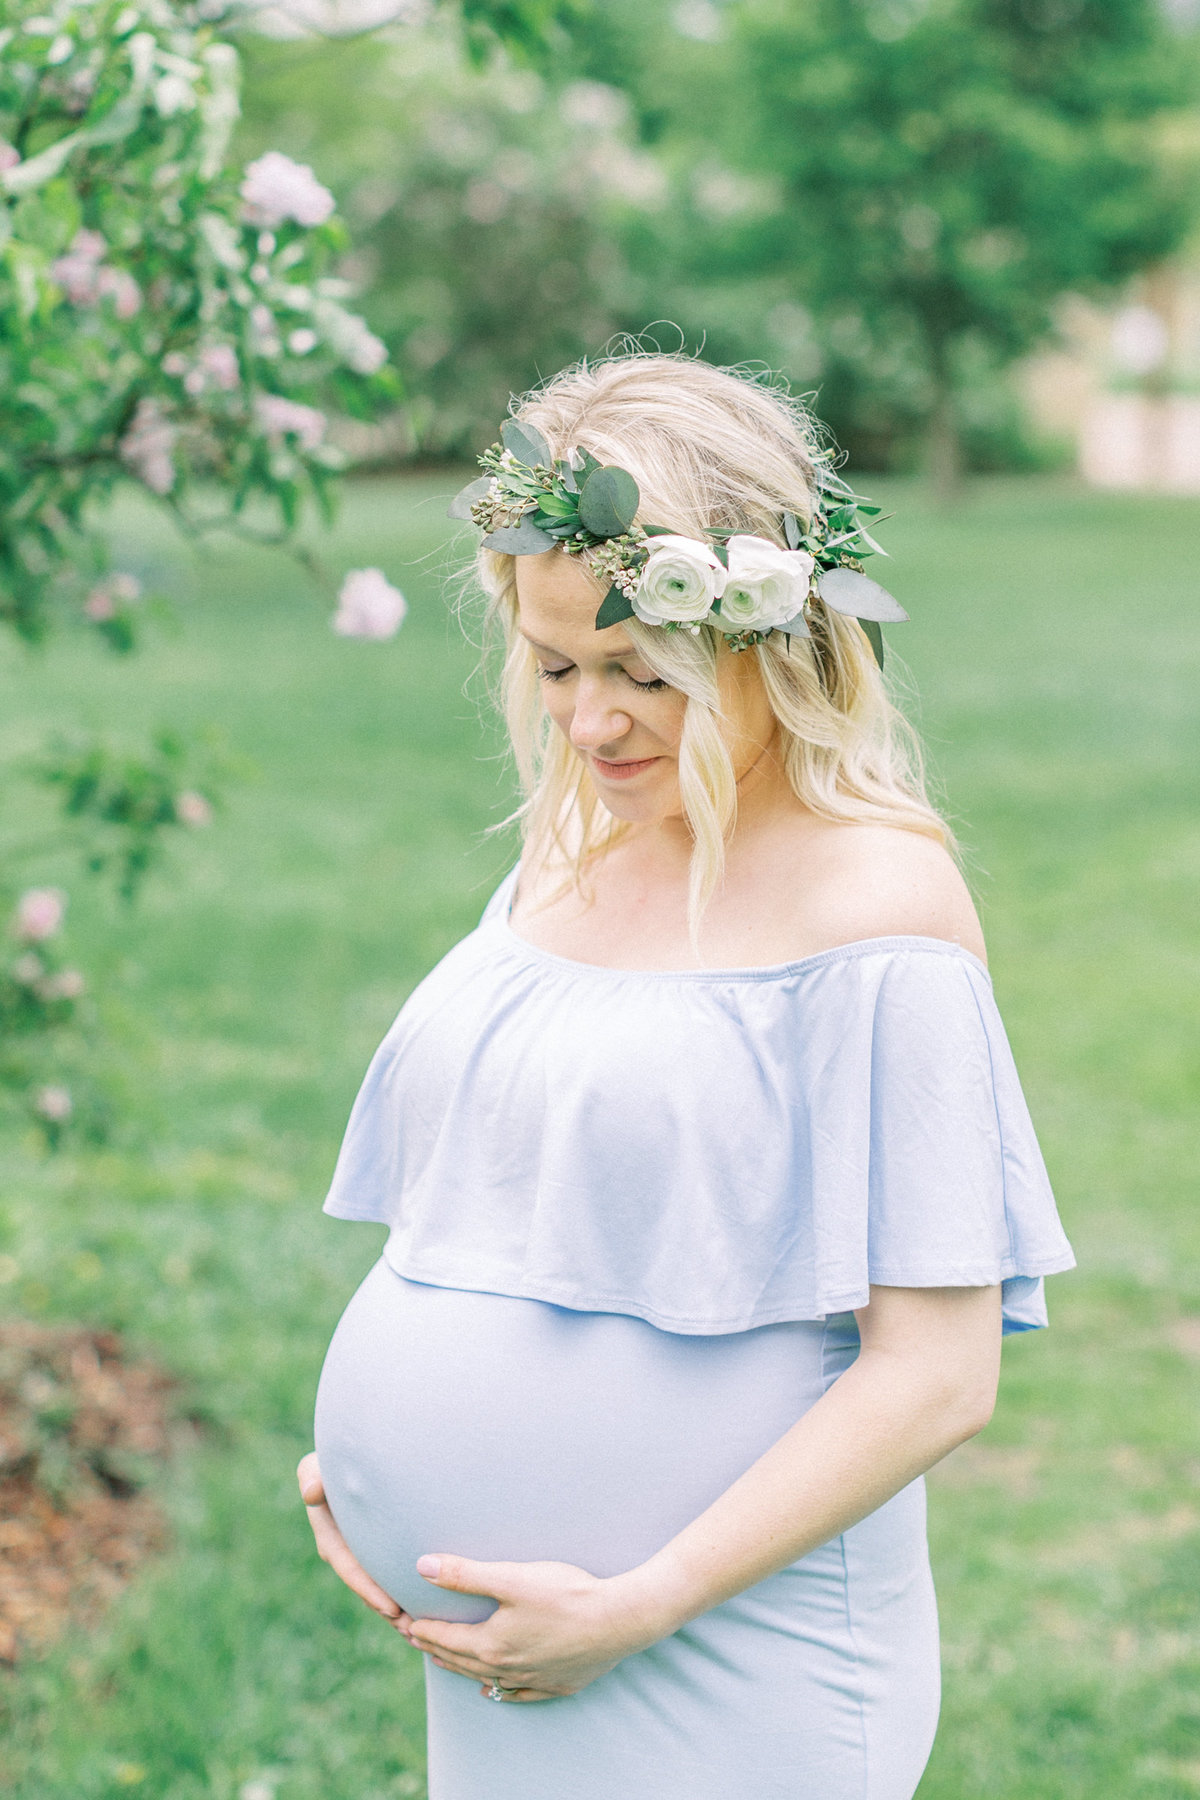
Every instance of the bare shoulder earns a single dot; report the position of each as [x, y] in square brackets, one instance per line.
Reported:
[869, 881]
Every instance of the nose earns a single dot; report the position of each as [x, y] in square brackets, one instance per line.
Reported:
[597, 722]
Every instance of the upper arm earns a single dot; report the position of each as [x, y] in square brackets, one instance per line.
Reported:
[884, 881]
[951, 1333]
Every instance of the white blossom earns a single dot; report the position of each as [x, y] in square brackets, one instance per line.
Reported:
[369, 606]
[193, 809]
[275, 188]
[53, 1103]
[68, 984]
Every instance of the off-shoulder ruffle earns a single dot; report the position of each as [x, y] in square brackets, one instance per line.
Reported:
[709, 1150]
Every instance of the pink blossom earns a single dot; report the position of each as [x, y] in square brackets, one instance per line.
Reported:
[117, 590]
[369, 606]
[9, 156]
[28, 970]
[276, 188]
[52, 1103]
[302, 341]
[193, 809]
[119, 286]
[39, 914]
[264, 337]
[277, 416]
[86, 280]
[100, 606]
[78, 272]
[175, 363]
[67, 985]
[147, 447]
[220, 364]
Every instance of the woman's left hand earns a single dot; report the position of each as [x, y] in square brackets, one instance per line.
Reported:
[556, 1627]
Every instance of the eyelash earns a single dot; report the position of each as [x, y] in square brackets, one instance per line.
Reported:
[647, 687]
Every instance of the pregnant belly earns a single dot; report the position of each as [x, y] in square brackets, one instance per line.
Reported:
[512, 1430]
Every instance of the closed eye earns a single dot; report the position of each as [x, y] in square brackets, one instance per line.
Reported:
[654, 686]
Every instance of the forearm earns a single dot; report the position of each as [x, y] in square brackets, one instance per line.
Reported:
[879, 1426]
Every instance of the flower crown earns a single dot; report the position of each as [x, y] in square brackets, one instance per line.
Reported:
[745, 586]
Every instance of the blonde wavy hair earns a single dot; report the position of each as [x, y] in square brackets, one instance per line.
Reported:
[710, 449]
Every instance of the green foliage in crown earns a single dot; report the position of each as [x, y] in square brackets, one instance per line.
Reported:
[529, 502]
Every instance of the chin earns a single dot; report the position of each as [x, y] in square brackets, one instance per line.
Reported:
[651, 807]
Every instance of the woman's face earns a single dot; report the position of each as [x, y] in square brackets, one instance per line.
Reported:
[623, 722]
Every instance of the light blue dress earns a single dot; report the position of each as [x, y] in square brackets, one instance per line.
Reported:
[631, 1213]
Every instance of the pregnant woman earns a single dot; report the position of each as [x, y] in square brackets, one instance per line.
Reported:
[709, 1179]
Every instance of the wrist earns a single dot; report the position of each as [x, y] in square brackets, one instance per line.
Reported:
[649, 1601]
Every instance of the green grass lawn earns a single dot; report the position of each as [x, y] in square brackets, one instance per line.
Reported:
[1055, 644]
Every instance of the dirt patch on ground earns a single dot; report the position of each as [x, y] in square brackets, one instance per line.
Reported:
[81, 1428]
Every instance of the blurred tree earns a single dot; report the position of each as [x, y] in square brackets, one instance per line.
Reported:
[484, 207]
[947, 168]
[168, 319]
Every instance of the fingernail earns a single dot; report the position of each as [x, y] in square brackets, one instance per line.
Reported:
[429, 1566]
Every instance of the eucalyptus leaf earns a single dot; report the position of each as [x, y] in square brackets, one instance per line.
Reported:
[526, 443]
[608, 501]
[556, 506]
[460, 506]
[797, 627]
[615, 607]
[791, 531]
[846, 591]
[524, 539]
[875, 638]
[866, 537]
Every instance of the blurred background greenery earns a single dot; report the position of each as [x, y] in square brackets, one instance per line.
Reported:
[966, 226]
[883, 200]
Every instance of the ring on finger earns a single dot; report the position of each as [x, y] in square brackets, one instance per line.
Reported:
[496, 1692]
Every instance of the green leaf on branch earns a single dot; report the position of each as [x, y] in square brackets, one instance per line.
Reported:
[526, 443]
[608, 502]
[460, 506]
[525, 539]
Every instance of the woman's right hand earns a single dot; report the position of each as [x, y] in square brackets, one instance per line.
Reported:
[333, 1549]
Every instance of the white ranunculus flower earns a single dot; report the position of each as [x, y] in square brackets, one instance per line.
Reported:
[679, 583]
[766, 586]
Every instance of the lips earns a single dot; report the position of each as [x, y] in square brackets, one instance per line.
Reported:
[622, 771]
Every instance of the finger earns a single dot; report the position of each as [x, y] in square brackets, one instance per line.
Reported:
[448, 1639]
[521, 1695]
[462, 1661]
[333, 1549]
[495, 1580]
[308, 1474]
